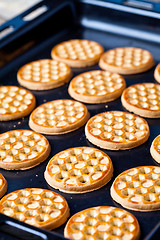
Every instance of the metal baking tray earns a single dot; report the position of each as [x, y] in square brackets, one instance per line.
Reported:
[112, 24]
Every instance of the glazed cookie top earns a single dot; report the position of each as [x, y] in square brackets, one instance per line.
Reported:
[127, 60]
[142, 99]
[58, 116]
[77, 52]
[3, 185]
[22, 149]
[155, 149]
[117, 130]
[138, 188]
[44, 74]
[15, 102]
[80, 169]
[102, 222]
[35, 206]
[96, 86]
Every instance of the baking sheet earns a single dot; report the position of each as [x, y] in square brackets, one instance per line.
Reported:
[122, 160]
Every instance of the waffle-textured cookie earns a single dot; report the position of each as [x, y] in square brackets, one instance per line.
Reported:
[58, 117]
[126, 60]
[157, 73]
[44, 74]
[155, 149]
[78, 53]
[117, 130]
[79, 170]
[96, 87]
[102, 222]
[15, 102]
[22, 149]
[38, 207]
[3, 185]
[142, 99]
[138, 188]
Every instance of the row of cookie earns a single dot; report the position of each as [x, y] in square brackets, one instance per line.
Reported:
[77, 170]
[136, 189]
[49, 210]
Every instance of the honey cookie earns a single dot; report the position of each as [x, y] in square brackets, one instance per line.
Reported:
[96, 87]
[116, 130]
[3, 185]
[157, 73]
[58, 117]
[77, 52]
[79, 170]
[44, 74]
[126, 60]
[35, 206]
[138, 188]
[22, 149]
[102, 222]
[15, 102]
[155, 149]
[142, 99]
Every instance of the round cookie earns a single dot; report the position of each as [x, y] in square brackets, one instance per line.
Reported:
[126, 60]
[117, 130]
[138, 188]
[77, 52]
[79, 170]
[102, 222]
[44, 74]
[58, 117]
[35, 206]
[15, 102]
[22, 149]
[96, 87]
[157, 73]
[155, 149]
[3, 185]
[142, 99]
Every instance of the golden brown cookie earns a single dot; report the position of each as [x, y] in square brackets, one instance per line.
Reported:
[38, 207]
[58, 117]
[22, 149]
[77, 53]
[102, 222]
[138, 188]
[126, 60]
[44, 74]
[157, 73]
[117, 130]
[15, 102]
[96, 87]
[155, 149]
[79, 170]
[3, 185]
[142, 99]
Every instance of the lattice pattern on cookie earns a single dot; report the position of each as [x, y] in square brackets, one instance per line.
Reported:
[118, 127]
[44, 71]
[14, 100]
[81, 166]
[139, 185]
[1, 181]
[144, 96]
[102, 223]
[21, 146]
[127, 57]
[59, 113]
[156, 144]
[97, 83]
[34, 206]
[78, 50]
